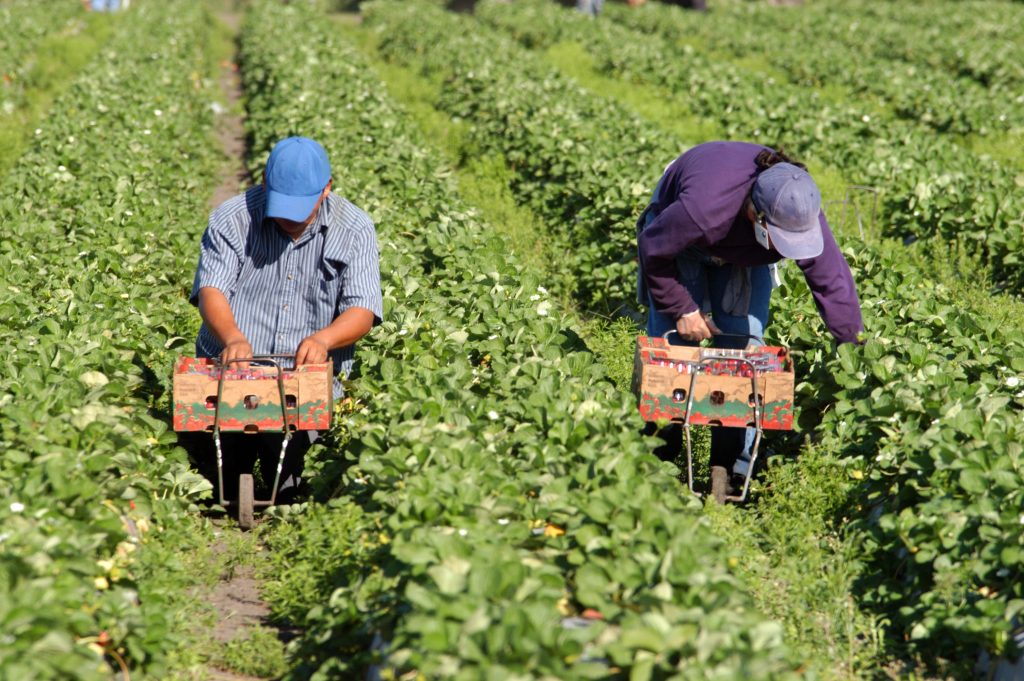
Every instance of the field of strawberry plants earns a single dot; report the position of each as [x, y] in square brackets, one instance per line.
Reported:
[503, 496]
[90, 301]
[486, 506]
[929, 184]
[968, 85]
[24, 24]
[918, 334]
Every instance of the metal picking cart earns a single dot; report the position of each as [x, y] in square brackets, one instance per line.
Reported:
[263, 398]
[748, 388]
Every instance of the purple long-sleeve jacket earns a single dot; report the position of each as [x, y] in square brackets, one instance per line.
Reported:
[702, 199]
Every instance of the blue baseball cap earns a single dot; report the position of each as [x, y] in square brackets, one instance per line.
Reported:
[297, 172]
[790, 202]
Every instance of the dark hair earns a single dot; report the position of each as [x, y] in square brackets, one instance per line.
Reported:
[767, 158]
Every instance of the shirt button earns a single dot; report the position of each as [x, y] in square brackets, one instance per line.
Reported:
[286, 308]
[290, 277]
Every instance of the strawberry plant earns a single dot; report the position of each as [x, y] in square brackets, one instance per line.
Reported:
[903, 58]
[90, 469]
[977, 42]
[928, 415]
[23, 26]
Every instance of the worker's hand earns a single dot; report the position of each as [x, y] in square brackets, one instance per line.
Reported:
[695, 326]
[311, 350]
[234, 350]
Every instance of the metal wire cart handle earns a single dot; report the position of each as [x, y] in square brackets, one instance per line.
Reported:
[269, 360]
[755, 374]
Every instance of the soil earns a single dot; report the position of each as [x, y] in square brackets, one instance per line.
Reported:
[230, 129]
[238, 599]
[218, 675]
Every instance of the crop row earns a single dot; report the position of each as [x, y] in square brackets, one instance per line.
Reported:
[503, 494]
[978, 42]
[24, 24]
[933, 368]
[857, 48]
[582, 163]
[930, 186]
[766, 37]
[99, 217]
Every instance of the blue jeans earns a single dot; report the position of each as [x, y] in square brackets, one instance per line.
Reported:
[105, 5]
[592, 7]
[706, 281]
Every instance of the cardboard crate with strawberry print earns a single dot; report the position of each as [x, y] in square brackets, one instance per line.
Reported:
[723, 392]
[251, 398]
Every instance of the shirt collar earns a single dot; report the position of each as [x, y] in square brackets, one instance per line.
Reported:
[323, 220]
[325, 216]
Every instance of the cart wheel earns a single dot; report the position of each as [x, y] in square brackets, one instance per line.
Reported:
[245, 501]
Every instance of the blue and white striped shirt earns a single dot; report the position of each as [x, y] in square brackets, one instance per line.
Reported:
[280, 290]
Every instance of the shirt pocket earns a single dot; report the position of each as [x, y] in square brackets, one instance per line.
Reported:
[326, 291]
[248, 281]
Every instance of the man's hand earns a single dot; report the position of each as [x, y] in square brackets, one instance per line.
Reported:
[311, 350]
[696, 327]
[236, 349]
[346, 329]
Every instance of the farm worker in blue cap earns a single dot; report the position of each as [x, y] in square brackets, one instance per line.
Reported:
[105, 5]
[288, 267]
[721, 217]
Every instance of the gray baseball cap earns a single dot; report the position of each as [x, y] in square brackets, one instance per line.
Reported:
[790, 202]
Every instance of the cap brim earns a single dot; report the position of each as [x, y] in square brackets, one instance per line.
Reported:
[294, 208]
[798, 245]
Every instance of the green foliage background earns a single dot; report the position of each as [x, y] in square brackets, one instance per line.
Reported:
[486, 485]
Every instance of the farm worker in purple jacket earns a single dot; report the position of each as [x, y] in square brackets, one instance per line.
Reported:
[721, 217]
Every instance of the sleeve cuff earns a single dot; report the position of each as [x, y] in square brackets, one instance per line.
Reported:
[193, 298]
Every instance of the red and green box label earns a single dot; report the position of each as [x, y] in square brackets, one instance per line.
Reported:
[250, 400]
[723, 391]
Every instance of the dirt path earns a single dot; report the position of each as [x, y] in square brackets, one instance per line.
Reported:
[237, 600]
[236, 597]
[241, 610]
[230, 128]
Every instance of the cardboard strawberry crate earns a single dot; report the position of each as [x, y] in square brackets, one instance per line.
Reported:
[250, 400]
[723, 392]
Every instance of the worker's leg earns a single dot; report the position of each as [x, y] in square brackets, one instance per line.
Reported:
[238, 457]
[671, 434]
[691, 275]
[731, 447]
[294, 460]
